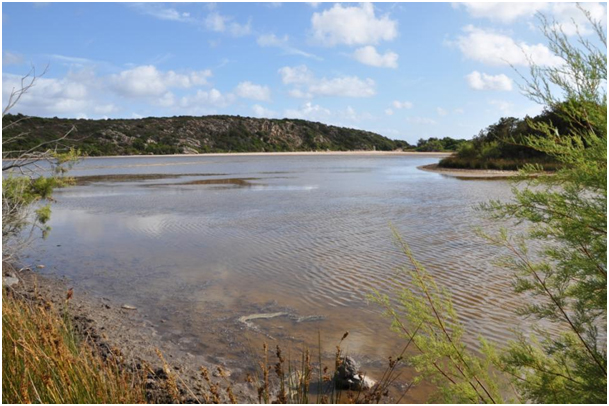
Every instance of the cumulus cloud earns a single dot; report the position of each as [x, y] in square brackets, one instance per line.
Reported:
[271, 40]
[249, 90]
[352, 25]
[497, 49]
[203, 100]
[308, 85]
[66, 96]
[389, 112]
[368, 55]
[402, 104]
[296, 75]
[566, 15]
[482, 81]
[441, 111]
[309, 111]
[147, 80]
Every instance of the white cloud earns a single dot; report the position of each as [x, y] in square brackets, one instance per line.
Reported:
[350, 114]
[345, 86]
[459, 111]
[389, 112]
[402, 105]
[482, 81]
[49, 96]
[296, 75]
[271, 40]
[352, 25]
[313, 4]
[143, 81]
[202, 100]
[566, 15]
[260, 111]
[220, 23]
[368, 55]
[502, 12]
[309, 111]
[161, 12]
[249, 90]
[441, 111]
[497, 49]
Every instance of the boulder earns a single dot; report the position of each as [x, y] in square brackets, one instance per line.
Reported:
[350, 376]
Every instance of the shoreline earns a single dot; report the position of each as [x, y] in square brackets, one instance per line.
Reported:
[469, 174]
[294, 153]
[109, 327]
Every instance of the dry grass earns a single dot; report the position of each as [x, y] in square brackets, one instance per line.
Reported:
[44, 362]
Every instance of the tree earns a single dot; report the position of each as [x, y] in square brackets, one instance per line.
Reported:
[563, 284]
[29, 176]
[567, 214]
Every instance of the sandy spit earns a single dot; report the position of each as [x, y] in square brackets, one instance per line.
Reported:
[469, 173]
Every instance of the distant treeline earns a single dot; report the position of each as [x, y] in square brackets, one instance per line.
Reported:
[503, 145]
[185, 134]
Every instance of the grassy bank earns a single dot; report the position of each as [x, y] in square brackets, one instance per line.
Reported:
[43, 360]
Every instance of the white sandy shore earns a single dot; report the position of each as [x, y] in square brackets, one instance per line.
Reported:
[469, 173]
[318, 153]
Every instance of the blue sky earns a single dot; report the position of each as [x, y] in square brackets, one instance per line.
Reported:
[404, 70]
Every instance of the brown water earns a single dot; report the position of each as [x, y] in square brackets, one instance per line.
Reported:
[196, 243]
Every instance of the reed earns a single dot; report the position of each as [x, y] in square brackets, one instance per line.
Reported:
[43, 361]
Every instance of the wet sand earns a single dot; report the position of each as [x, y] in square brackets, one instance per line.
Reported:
[469, 173]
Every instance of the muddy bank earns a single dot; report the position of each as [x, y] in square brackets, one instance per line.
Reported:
[110, 326]
[469, 174]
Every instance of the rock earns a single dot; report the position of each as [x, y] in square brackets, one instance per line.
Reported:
[40, 266]
[350, 376]
[9, 281]
[221, 373]
[128, 307]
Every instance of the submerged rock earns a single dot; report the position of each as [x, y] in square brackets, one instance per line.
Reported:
[128, 307]
[350, 376]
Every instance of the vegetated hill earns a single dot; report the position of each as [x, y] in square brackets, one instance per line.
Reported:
[175, 135]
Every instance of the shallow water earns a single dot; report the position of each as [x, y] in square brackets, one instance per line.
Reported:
[216, 239]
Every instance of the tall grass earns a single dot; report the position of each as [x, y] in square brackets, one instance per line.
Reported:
[43, 361]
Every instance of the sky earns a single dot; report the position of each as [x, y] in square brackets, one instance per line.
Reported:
[403, 70]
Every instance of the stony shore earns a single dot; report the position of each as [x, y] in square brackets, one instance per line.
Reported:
[118, 326]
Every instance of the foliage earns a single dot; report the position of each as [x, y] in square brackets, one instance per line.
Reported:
[559, 262]
[424, 315]
[567, 215]
[174, 135]
[44, 362]
[438, 144]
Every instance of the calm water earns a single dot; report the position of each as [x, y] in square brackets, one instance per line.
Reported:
[303, 235]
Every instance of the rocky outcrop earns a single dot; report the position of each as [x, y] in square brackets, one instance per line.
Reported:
[350, 376]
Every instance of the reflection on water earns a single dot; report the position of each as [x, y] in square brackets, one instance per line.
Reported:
[199, 243]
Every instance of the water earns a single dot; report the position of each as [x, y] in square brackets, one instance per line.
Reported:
[218, 238]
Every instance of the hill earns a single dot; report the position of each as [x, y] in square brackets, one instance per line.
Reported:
[185, 134]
